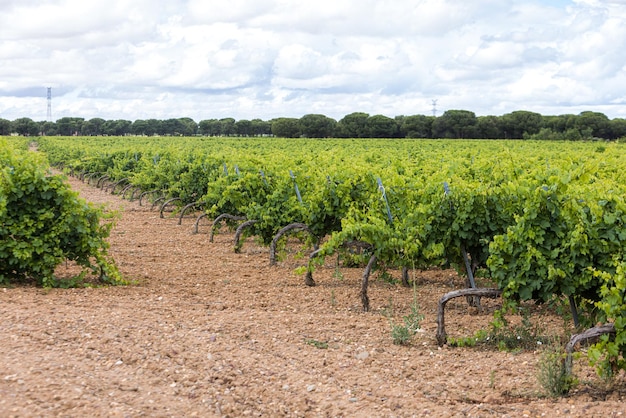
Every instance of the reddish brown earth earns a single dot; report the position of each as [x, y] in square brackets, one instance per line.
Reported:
[207, 332]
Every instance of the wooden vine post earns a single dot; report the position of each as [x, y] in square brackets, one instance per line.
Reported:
[185, 209]
[113, 186]
[101, 180]
[239, 231]
[442, 337]
[197, 224]
[365, 300]
[295, 227]
[360, 245]
[308, 278]
[405, 277]
[142, 195]
[216, 222]
[167, 203]
[590, 334]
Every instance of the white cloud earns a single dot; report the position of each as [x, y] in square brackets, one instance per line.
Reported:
[232, 11]
[268, 58]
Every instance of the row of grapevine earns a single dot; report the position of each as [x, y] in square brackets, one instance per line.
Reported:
[43, 223]
[543, 221]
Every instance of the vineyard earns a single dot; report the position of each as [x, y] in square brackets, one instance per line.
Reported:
[528, 220]
[536, 221]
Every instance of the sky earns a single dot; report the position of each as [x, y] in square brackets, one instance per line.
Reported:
[247, 59]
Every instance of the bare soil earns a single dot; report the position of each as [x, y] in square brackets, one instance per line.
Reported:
[207, 332]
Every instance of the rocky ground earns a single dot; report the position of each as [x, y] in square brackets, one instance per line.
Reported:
[207, 332]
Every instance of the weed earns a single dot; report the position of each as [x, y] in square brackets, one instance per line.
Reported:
[503, 335]
[553, 375]
[413, 320]
[338, 274]
[513, 337]
[402, 334]
[387, 277]
[478, 337]
[322, 345]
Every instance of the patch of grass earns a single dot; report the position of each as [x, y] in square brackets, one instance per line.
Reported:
[504, 336]
[479, 336]
[507, 337]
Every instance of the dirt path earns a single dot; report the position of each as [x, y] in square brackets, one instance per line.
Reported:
[207, 332]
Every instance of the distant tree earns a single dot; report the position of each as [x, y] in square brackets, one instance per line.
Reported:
[48, 128]
[87, 129]
[618, 128]
[6, 127]
[118, 127]
[70, 126]
[243, 127]
[417, 126]
[380, 126]
[317, 126]
[227, 127]
[598, 123]
[169, 127]
[575, 134]
[353, 125]
[209, 127]
[286, 127]
[560, 123]
[188, 126]
[399, 119]
[261, 127]
[154, 127]
[123, 126]
[25, 127]
[178, 127]
[94, 126]
[139, 127]
[516, 125]
[489, 127]
[455, 124]
[572, 134]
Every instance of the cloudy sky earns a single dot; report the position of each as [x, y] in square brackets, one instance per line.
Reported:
[204, 59]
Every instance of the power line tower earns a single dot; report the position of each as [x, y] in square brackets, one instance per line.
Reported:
[435, 107]
[49, 112]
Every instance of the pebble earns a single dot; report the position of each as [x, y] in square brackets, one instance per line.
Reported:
[311, 388]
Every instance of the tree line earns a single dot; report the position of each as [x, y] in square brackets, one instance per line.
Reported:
[519, 124]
